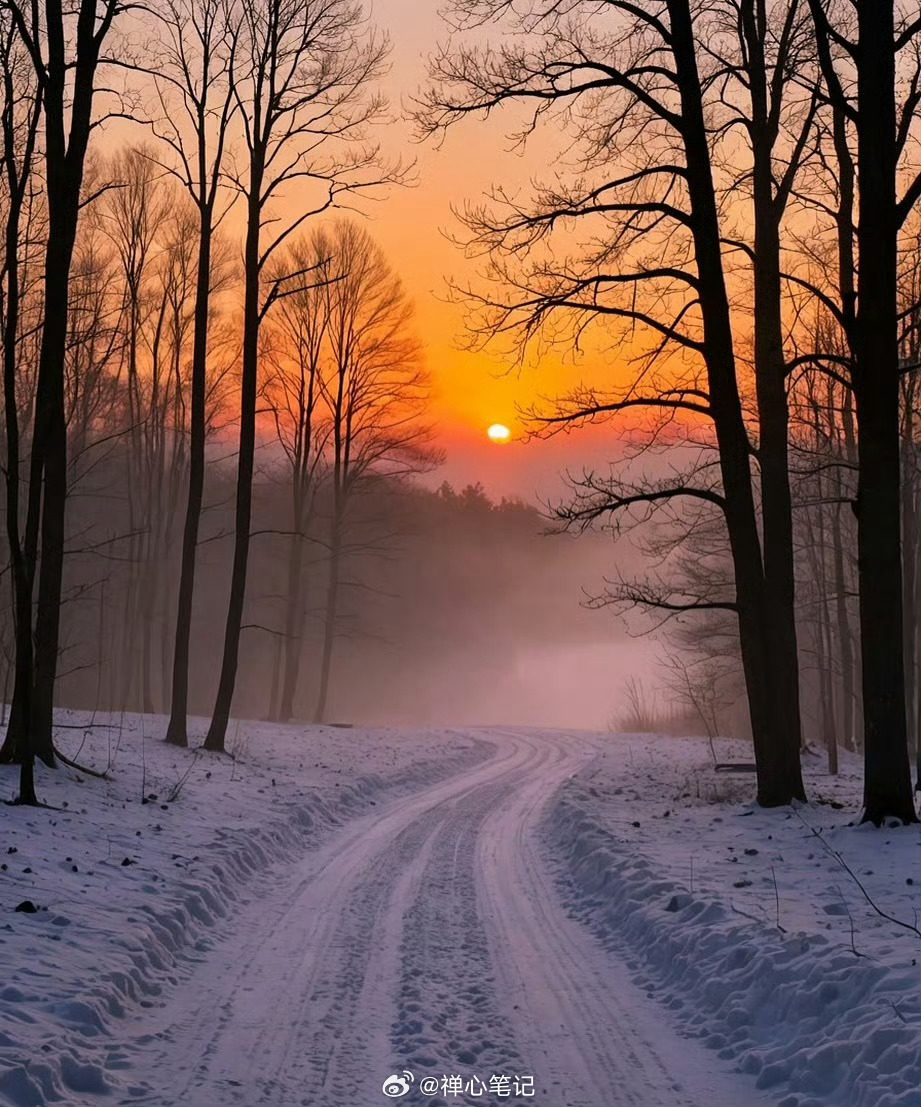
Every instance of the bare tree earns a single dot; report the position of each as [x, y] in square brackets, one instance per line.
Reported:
[771, 57]
[65, 47]
[19, 119]
[196, 95]
[293, 393]
[166, 431]
[134, 209]
[300, 78]
[823, 441]
[859, 68]
[817, 443]
[629, 77]
[374, 389]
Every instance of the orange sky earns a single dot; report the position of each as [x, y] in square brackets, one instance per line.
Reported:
[472, 390]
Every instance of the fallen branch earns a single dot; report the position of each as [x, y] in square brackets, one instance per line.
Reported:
[782, 929]
[80, 768]
[850, 919]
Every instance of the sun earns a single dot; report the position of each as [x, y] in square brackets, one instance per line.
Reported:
[498, 432]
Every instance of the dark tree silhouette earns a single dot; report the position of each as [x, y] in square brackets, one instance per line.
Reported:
[772, 60]
[65, 47]
[629, 77]
[19, 119]
[859, 70]
[301, 77]
[293, 395]
[198, 104]
[375, 391]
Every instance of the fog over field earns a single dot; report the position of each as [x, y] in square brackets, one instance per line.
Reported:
[454, 609]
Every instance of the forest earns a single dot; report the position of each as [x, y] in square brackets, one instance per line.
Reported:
[736, 224]
[216, 410]
[460, 563]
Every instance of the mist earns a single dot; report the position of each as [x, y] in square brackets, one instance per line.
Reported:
[457, 608]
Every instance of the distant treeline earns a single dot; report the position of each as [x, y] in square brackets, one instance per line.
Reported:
[438, 588]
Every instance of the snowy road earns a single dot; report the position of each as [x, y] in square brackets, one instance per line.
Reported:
[427, 936]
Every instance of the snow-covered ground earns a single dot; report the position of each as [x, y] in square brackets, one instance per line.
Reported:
[501, 911]
[136, 876]
[746, 924]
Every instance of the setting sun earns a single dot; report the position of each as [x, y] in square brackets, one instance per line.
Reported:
[498, 433]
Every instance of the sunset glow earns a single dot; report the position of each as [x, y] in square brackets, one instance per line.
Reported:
[428, 436]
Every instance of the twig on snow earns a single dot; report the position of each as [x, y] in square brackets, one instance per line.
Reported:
[850, 872]
[782, 929]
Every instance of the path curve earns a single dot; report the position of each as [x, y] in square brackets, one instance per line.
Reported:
[426, 936]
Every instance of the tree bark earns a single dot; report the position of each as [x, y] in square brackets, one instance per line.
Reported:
[248, 390]
[757, 638]
[16, 746]
[176, 731]
[773, 414]
[329, 629]
[887, 777]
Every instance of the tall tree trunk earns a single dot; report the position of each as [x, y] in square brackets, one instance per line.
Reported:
[50, 446]
[273, 710]
[67, 99]
[843, 625]
[850, 644]
[329, 629]
[176, 731]
[16, 746]
[773, 415]
[248, 390]
[829, 736]
[775, 785]
[293, 620]
[887, 777]
[146, 629]
[127, 654]
[822, 632]
[909, 570]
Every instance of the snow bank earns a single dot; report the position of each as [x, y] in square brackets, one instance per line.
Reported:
[746, 925]
[133, 876]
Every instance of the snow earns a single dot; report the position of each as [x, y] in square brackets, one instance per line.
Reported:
[334, 905]
[745, 923]
[131, 891]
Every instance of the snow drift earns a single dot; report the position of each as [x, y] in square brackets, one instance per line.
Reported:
[820, 1020]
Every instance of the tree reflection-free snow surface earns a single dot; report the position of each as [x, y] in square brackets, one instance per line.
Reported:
[339, 905]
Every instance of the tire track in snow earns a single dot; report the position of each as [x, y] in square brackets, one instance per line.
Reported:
[430, 936]
[588, 1034]
[448, 1021]
[356, 979]
[297, 1009]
